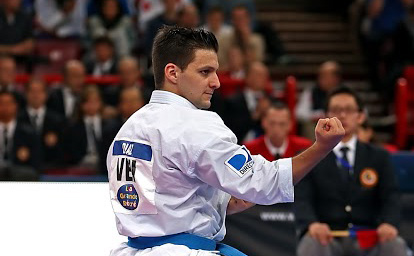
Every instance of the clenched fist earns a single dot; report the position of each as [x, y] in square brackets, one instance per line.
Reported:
[329, 132]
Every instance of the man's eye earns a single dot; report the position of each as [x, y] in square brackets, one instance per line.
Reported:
[204, 72]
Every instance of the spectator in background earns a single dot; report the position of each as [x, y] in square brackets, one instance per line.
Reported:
[8, 77]
[48, 124]
[15, 30]
[215, 24]
[311, 102]
[228, 5]
[103, 60]
[112, 22]
[130, 77]
[383, 41]
[61, 18]
[366, 134]
[236, 68]
[353, 186]
[188, 17]
[243, 36]
[85, 134]
[168, 17]
[245, 109]
[64, 100]
[276, 142]
[19, 150]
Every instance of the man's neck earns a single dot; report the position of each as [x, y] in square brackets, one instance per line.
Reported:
[276, 143]
[347, 137]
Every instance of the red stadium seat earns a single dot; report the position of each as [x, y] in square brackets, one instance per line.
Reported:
[404, 108]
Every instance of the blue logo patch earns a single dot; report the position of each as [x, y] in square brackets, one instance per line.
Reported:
[128, 197]
[240, 162]
[132, 149]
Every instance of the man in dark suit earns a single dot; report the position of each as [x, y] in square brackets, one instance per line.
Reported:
[354, 186]
[245, 109]
[47, 123]
[64, 100]
[7, 78]
[276, 142]
[19, 150]
[104, 61]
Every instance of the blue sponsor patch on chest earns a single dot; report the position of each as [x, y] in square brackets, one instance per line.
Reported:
[241, 162]
[132, 149]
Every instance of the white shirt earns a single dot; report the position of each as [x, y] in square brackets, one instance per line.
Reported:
[95, 122]
[184, 162]
[351, 145]
[40, 112]
[252, 99]
[102, 68]
[276, 150]
[69, 101]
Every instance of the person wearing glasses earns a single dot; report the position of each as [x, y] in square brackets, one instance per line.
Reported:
[354, 187]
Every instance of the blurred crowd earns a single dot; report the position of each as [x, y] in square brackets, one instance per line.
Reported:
[66, 127]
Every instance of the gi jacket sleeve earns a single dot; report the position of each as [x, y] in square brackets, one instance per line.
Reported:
[221, 163]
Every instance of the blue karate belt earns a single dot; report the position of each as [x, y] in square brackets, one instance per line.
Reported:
[193, 242]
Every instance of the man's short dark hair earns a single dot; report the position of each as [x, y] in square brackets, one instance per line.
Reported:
[103, 40]
[344, 90]
[278, 105]
[178, 45]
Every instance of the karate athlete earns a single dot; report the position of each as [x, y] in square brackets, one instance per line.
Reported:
[173, 166]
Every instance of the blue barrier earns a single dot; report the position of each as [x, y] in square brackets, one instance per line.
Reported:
[404, 167]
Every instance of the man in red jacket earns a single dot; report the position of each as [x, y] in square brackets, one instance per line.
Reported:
[277, 143]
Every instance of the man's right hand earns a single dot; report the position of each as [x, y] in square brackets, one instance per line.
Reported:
[321, 232]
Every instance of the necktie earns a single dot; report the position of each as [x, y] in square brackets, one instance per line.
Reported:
[277, 156]
[6, 144]
[35, 117]
[345, 161]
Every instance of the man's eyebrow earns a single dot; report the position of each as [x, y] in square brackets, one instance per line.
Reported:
[208, 67]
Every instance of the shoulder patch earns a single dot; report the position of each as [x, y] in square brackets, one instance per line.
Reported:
[132, 149]
[241, 162]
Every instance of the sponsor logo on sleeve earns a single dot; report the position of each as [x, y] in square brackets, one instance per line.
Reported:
[240, 162]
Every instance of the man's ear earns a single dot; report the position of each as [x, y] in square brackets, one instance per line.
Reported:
[170, 73]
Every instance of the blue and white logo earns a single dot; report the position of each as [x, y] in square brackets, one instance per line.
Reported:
[240, 162]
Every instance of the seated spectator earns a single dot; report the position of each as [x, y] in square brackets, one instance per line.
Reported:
[354, 186]
[19, 150]
[245, 109]
[188, 17]
[215, 24]
[167, 17]
[61, 18]
[366, 134]
[236, 68]
[8, 77]
[48, 124]
[243, 36]
[228, 6]
[64, 100]
[112, 22]
[15, 30]
[311, 102]
[103, 60]
[276, 142]
[84, 137]
[130, 77]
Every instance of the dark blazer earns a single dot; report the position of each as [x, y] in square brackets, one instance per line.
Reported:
[91, 64]
[25, 150]
[55, 101]
[328, 195]
[50, 137]
[238, 118]
[295, 145]
[76, 143]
